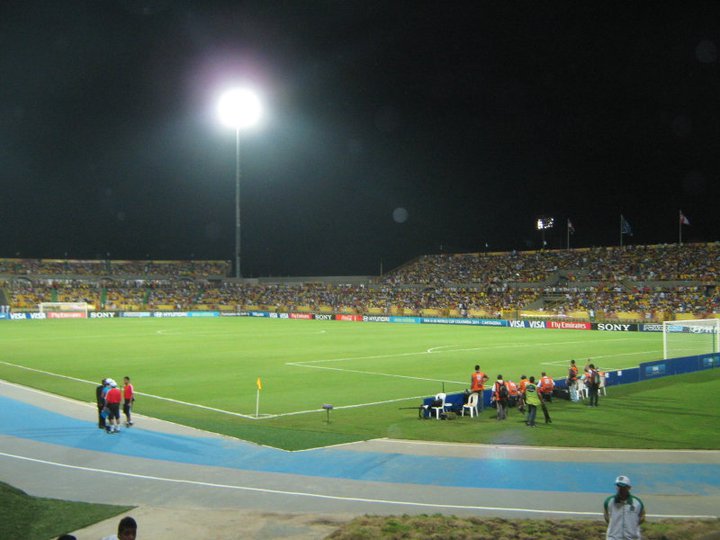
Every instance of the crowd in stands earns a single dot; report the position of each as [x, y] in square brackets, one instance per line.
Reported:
[652, 281]
[655, 300]
[667, 262]
[68, 267]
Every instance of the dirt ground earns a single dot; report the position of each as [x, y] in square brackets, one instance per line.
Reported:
[175, 523]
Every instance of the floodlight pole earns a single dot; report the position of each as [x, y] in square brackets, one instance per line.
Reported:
[238, 273]
[238, 108]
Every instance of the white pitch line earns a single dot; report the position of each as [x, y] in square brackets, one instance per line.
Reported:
[565, 362]
[250, 417]
[465, 349]
[355, 406]
[322, 496]
[223, 411]
[394, 375]
[433, 350]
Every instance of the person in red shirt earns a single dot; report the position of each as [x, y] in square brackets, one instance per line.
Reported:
[128, 400]
[477, 385]
[112, 402]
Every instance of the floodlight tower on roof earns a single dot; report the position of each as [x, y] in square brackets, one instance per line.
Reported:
[240, 109]
[545, 223]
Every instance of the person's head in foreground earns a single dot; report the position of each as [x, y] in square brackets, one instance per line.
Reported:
[127, 529]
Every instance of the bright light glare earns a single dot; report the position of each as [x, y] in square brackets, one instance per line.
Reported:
[545, 223]
[239, 108]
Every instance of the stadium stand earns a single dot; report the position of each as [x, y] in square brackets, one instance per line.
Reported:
[638, 283]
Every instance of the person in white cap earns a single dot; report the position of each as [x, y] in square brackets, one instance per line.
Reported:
[112, 402]
[624, 513]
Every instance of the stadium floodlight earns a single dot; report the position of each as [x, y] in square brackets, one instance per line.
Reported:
[545, 223]
[542, 224]
[239, 109]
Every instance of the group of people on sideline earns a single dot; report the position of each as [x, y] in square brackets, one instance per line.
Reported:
[110, 398]
[531, 394]
[589, 384]
[528, 394]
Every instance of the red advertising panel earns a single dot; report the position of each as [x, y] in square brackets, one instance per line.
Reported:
[355, 318]
[65, 315]
[301, 316]
[567, 325]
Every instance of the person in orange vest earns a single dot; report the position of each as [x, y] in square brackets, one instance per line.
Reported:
[477, 385]
[500, 397]
[521, 391]
[603, 377]
[572, 381]
[513, 393]
[546, 386]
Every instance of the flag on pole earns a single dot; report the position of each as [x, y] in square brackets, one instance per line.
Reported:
[257, 397]
[683, 219]
[571, 229]
[625, 226]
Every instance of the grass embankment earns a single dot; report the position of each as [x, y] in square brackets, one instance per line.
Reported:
[36, 518]
[444, 527]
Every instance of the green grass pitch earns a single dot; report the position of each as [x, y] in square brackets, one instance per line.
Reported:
[203, 372]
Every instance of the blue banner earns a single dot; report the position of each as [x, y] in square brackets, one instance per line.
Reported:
[405, 320]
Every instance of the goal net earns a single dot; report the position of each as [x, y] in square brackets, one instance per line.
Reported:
[688, 338]
[64, 310]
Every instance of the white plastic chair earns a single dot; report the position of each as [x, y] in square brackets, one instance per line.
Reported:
[438, 409]
[471, 405]
[601, 389]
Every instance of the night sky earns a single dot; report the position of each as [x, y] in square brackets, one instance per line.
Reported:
[392, 129]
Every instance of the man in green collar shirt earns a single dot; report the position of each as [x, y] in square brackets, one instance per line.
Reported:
[623, 512]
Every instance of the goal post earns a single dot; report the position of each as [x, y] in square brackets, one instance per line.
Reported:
[692, 337]
[64, 310]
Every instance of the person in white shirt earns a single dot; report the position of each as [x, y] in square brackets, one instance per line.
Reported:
[127, 530]
[624, 513]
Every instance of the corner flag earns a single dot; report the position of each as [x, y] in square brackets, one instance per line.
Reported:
[257, 397]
